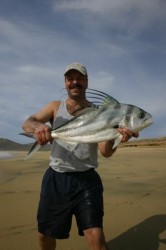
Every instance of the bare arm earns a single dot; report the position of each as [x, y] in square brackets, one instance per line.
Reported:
[36, 123]
[106, 147]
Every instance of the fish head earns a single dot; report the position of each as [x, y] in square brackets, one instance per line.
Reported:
[137, 119]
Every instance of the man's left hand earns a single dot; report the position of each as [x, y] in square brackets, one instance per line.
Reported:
[127, 134]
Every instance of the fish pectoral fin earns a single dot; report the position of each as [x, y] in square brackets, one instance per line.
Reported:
[117, 140]
[36, 146]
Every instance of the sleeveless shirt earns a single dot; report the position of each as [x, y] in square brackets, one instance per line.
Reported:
[66, 157]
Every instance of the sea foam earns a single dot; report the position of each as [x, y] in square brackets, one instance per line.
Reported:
[5, 155]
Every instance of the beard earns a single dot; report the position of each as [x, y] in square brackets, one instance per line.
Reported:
[76, 91]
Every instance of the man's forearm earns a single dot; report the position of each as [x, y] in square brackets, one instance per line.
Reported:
[31, 124]
[106, 148]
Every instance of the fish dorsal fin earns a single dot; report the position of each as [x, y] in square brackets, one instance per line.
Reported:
[101, 98]
[110, 100]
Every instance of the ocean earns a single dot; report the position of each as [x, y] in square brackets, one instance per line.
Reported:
[5, 155]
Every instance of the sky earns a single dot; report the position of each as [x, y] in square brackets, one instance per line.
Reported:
[122, 43]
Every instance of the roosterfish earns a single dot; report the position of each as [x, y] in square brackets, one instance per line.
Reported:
[99, 122]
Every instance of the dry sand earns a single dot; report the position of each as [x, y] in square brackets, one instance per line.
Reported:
[135, 201]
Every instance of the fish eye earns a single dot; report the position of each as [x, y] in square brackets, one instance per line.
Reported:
[141, 115]
[116, 126]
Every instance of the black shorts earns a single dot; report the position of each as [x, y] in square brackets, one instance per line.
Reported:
[66, 194]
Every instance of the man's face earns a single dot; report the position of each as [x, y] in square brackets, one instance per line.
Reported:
[75, 83]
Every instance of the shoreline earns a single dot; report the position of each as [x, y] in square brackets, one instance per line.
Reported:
[6, 154]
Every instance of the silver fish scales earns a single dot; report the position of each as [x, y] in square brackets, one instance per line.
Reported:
[100, 123]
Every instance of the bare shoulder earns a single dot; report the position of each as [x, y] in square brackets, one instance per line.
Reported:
[51, 107]
[53, 104]
[46, 113]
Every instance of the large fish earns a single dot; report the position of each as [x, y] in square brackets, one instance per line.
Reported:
[100, 123]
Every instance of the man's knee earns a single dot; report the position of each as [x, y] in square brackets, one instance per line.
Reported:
[46, 242]
[95, 235]
[42, 237]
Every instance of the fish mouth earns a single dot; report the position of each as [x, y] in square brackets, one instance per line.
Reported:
[146, 124]
[149, 121]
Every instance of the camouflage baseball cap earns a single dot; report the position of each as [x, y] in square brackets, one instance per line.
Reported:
[77, 66]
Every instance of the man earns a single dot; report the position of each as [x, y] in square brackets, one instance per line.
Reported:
[70, 186]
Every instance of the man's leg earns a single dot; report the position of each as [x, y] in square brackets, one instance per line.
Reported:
[95, 238]
[46, 243]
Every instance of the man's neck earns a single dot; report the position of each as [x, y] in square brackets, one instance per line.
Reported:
[74, 105]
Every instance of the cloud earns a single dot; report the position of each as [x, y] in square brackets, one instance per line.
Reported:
[119, 27]
[120, 12]
[121, 42]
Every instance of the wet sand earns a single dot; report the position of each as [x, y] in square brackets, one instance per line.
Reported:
[134, 180]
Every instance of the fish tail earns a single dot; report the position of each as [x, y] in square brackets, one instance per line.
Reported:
[36, 146]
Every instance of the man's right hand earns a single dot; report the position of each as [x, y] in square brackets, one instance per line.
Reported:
[43, 134]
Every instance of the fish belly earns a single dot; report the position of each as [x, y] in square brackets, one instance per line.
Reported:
[93, 137]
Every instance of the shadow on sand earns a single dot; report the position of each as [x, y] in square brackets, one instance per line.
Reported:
[144, 236]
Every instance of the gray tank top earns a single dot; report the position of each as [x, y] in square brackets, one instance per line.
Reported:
[67, 157]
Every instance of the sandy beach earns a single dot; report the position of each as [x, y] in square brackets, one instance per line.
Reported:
[134, 180]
